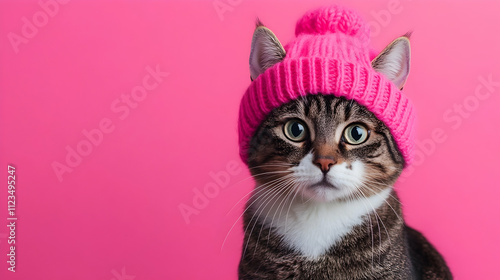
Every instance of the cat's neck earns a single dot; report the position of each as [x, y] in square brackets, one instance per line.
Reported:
[312, 227]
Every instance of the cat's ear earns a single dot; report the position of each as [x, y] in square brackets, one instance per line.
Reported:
[394, 61]
[265, 52]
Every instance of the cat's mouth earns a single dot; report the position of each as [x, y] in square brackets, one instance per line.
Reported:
[323, 184]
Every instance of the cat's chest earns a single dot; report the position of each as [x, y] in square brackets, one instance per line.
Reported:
[312, 229]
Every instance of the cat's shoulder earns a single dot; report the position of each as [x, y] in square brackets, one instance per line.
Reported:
[426, 260]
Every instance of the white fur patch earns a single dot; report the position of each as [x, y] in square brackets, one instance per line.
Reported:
[312, 220]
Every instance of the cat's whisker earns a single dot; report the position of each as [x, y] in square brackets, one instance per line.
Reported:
[296, 190]
[282, 202]
[256, 175]
[281, 210]
[280, 192]
[248, 193]
[377, 184]
[356, 193]
[385, 200]
[253, 190]
[377, 217]
[248, 207]
[269, 198]
[270, 191]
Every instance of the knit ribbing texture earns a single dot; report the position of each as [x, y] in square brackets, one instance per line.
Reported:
[331, 56]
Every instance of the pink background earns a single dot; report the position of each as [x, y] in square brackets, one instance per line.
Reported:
[116, 215]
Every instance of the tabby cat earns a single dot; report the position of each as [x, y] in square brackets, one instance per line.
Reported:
[324, 206]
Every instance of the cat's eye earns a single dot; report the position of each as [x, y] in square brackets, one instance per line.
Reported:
[295, 130]
[356, 134]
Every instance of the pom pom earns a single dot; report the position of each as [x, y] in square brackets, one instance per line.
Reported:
[333, 19]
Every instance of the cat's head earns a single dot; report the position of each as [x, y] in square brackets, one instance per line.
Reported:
[324, 147]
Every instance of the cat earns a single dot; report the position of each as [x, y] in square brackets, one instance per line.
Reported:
[324, 206]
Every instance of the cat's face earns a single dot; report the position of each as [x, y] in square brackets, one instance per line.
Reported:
[323, 148]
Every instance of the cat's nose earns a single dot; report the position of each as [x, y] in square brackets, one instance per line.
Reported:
[324, 163]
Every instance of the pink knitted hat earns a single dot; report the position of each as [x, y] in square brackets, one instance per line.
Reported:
[330, 55]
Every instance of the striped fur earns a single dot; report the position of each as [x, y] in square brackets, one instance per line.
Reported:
[304, 223]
